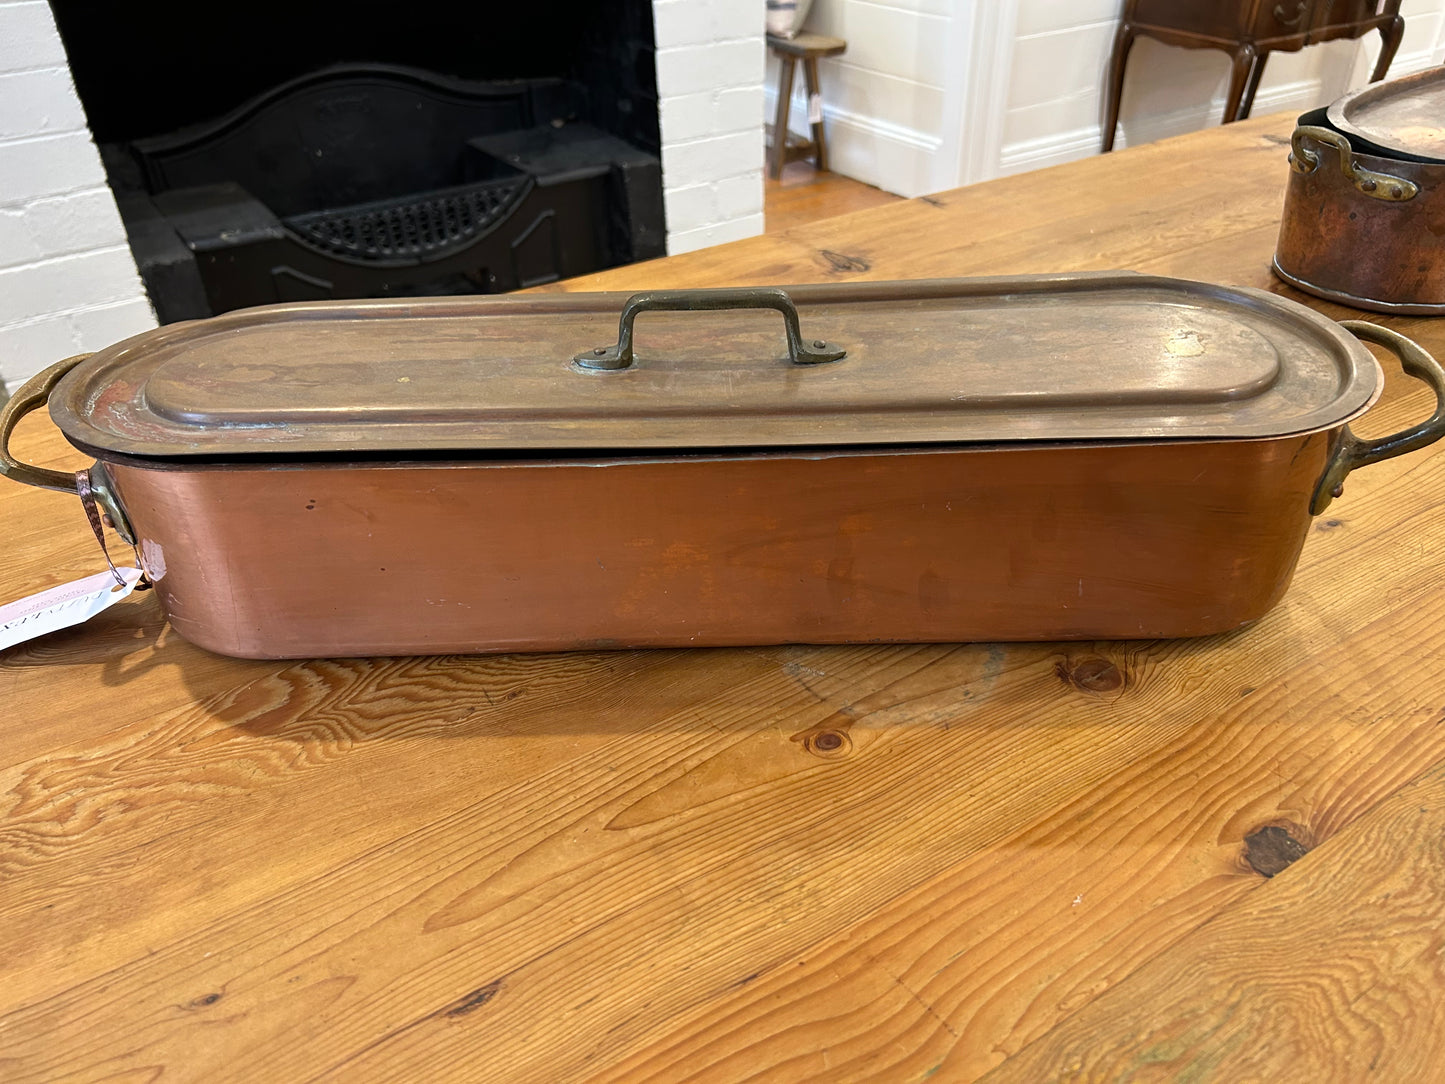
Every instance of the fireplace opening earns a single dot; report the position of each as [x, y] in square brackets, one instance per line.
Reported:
[280, 152]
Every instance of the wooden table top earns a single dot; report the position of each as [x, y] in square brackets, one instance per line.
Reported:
[624, 866]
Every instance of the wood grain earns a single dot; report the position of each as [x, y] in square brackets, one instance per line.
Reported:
[1301, 980]
[777, 864]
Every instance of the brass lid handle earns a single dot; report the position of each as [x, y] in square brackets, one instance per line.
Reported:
[800, 352]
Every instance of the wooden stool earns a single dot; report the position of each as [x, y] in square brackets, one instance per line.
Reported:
[784, 148]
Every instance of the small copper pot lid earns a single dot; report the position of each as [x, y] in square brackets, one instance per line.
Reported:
[1035, 359]
[1403, 118]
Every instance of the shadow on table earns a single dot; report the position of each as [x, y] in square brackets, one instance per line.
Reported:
[819, 696]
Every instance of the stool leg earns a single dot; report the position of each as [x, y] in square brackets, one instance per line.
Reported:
[820, 147]
[778, 151]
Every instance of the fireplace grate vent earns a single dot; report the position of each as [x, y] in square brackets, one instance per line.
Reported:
[411, 227]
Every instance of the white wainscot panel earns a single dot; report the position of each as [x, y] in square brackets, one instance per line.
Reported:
[1042, 16]
[888, 41]
[1050, 67]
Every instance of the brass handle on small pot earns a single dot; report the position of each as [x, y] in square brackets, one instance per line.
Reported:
[619, 356]
[1352, 452]
[1375, 185]
[29, 397]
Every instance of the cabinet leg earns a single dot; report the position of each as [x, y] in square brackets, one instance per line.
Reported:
[1244, 59]
[1114, 88]
[778, 151]
[1255, 75]
[1390, 35]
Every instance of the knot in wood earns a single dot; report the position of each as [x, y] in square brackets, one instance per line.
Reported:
[1092, 674]
[831, 744]
[1271, 849]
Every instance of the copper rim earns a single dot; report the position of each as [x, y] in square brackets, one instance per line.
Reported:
[1366, 303]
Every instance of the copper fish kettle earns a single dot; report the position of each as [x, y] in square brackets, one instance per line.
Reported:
[1050, 457]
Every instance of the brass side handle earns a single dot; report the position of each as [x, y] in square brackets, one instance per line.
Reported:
[29, 397]
[620, 355]
[1381, 186]
[1352, 452]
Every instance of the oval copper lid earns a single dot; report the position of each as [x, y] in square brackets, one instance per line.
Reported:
[1405, 116]
[1038, 358]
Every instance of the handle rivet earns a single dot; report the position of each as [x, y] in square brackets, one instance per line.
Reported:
[818, 344]
[600, 351]
[1369, 186]
[1397, 191]
[1338, 491]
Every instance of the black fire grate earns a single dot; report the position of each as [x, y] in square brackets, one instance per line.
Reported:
[411, 227]
[374, 180]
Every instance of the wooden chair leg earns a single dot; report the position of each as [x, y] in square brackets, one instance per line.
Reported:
[1390, 35]
[778, 152]
[1255, 75]
[1244, 59]
[1114, 88]
[815, 94]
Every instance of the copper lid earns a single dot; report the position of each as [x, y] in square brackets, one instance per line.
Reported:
[1405, 116]
[1038, 358]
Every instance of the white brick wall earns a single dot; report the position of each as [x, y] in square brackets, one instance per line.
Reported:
[68, 282]
[710, 101]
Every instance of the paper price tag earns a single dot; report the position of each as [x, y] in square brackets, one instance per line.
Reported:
[60, 607]
[815, 109]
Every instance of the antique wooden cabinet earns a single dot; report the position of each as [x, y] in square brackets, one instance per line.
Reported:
[1249, 30]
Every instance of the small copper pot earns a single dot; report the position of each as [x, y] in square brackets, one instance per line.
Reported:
[1361, 229]
[1364, 214]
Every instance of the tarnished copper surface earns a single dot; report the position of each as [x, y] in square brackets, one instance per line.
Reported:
[1085, 356]
[1003, 543]
[737, 500]
[1405, 116]
[1343, 244]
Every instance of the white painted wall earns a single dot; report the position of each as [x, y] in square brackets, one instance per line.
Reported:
[891, 102]
[1062, 48]
[68, 282]
[710, 101]
[932, 94]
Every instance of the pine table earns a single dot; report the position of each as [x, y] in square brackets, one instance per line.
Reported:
[1219, 859]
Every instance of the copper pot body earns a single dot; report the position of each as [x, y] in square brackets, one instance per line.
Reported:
[1076, 541]
[1040, 458]
[1343, 244]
